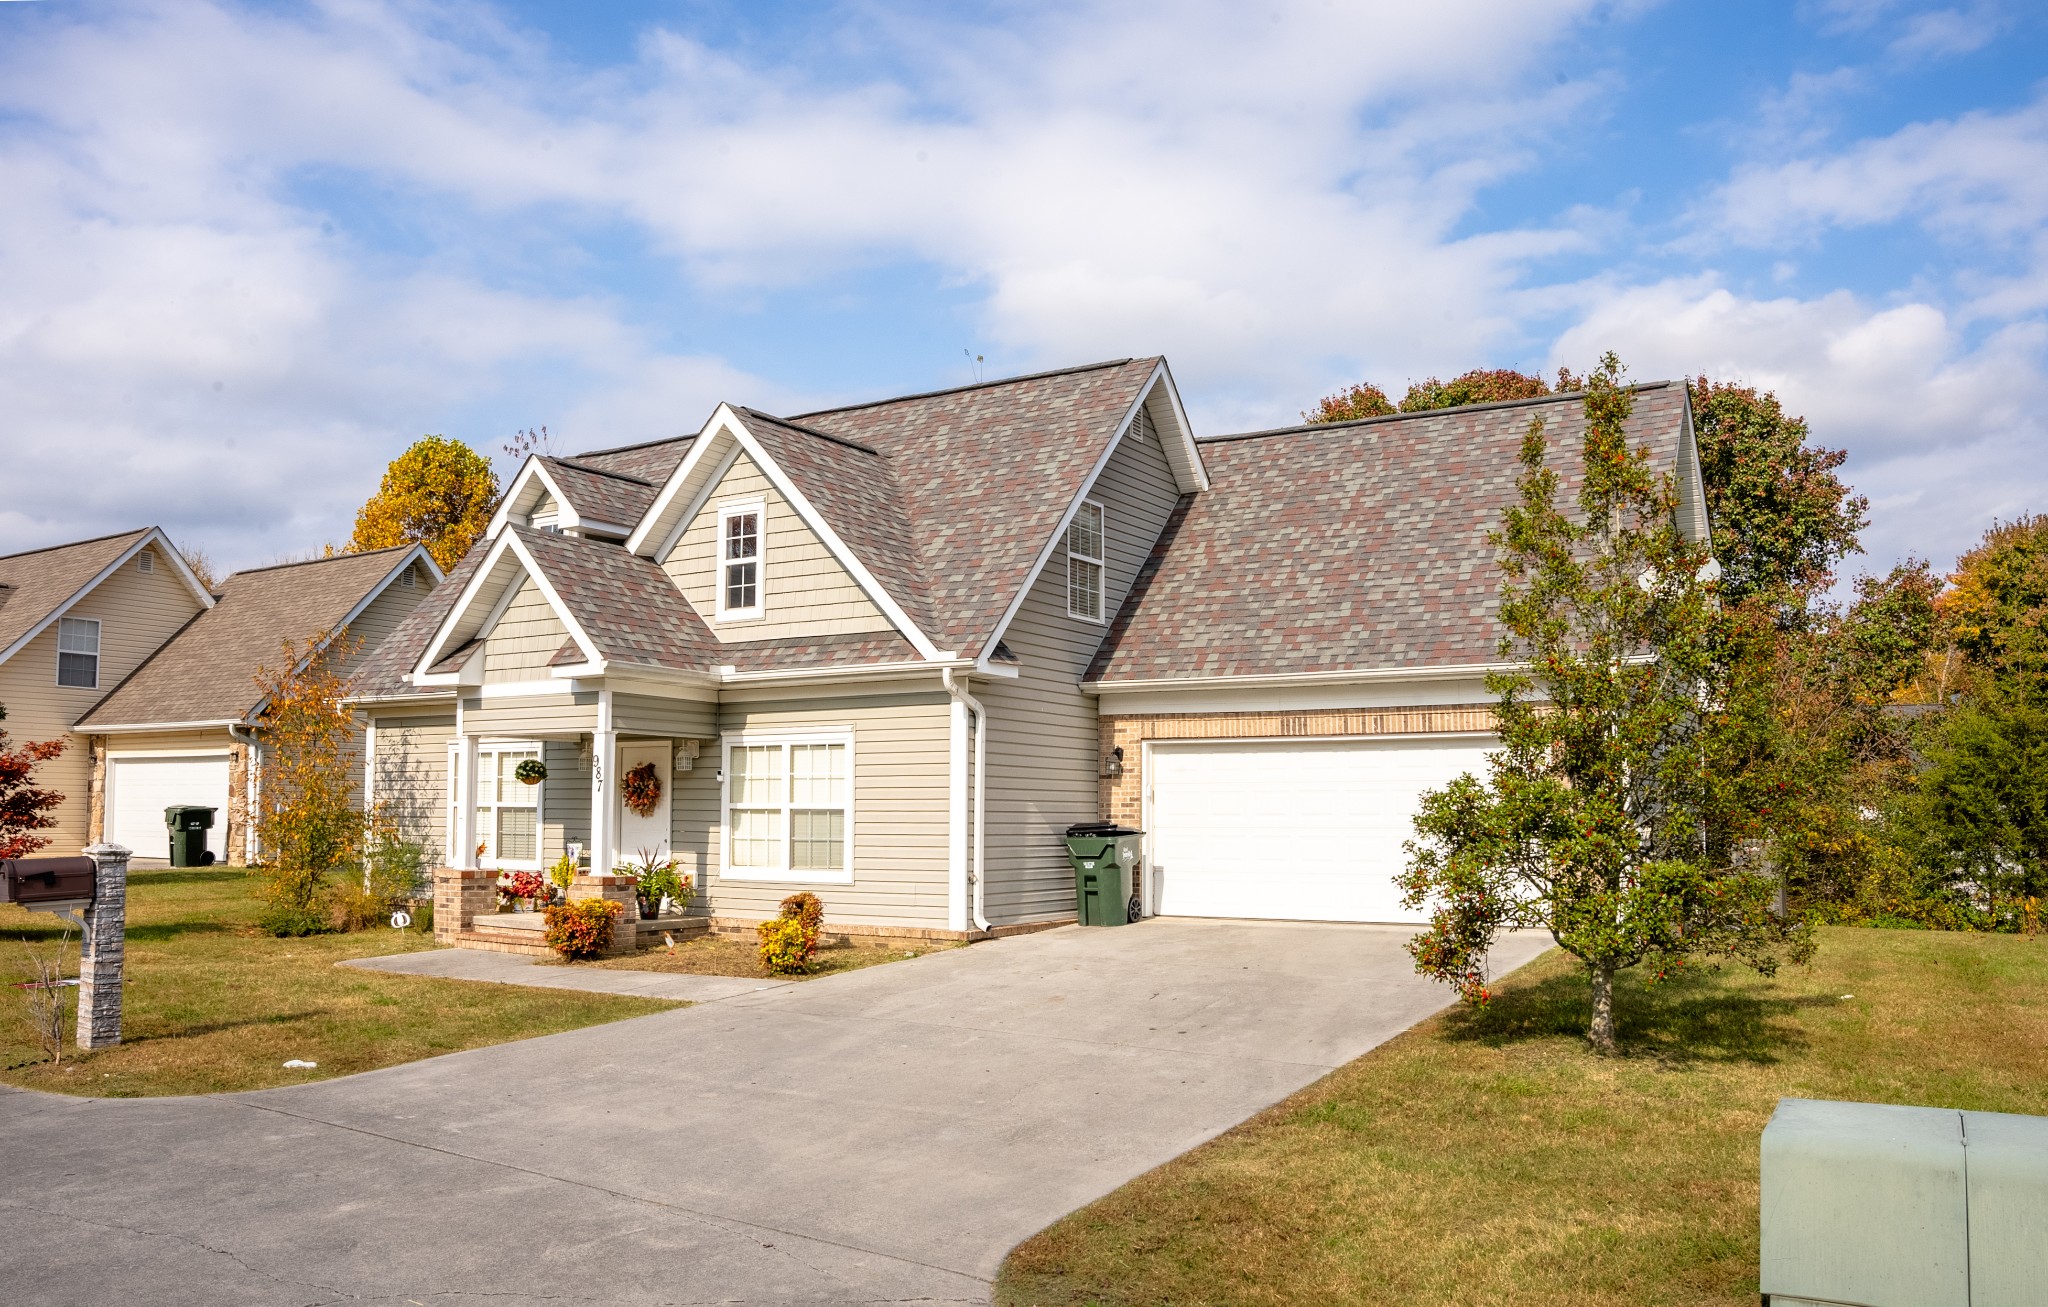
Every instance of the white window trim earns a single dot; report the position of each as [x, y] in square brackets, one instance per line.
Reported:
[491, 861]
[99, 636]
[783, 874]
[1099, 561]
[759, 508]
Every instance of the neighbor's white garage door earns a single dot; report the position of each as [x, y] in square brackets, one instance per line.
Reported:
[139, 789]
[1298, 830]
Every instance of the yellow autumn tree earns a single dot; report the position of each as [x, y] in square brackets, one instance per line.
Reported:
[439, 493]
[308, 819]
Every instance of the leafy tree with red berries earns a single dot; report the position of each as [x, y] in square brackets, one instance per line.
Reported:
[24, 807]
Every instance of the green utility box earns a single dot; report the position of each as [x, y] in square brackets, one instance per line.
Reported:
[188, 835]
[1105, 857]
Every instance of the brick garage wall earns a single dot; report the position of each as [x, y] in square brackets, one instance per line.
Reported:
[1123, 799]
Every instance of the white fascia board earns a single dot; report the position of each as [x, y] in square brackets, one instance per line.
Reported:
[823, 675]
[1285, 680]
[418, 553]
[823, 530]
[429, 698]
[589, 524]
[518, 498]
[707, 485]
[143, 728]
[456, 611]
[702, 687]
[168, 551]
[1059, 533]
[554, 598]
[508, 543]
[1195, 477]
[665, 497]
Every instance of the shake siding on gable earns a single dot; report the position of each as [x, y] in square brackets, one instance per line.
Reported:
[525, 638]
[901, 752]
[137, 612]
[805, 589]
[409, 779]
[1042, 743]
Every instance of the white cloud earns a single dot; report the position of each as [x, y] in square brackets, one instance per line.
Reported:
[1944, 433]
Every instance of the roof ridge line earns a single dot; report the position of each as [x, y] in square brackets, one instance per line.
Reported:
[1304, 427]
[597, 471]
[329, 558]
[73, 544]
[978, 385]
[811, 431]
[620, 449]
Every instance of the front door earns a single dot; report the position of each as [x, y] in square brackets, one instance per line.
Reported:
[644, 837]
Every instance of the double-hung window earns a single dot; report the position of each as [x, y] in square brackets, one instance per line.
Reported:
[739, 560]
[78, 652]
[789, 808]
[1084, 562]
[507, 808]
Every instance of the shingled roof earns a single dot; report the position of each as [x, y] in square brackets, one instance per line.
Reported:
[626, 604]
[37, 583]
[207, 671]
[1350, 546]
[598, 495]
[983, 474]
[651, 461]
[386, 672]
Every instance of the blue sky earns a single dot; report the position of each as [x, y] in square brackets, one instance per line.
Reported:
[251, 251]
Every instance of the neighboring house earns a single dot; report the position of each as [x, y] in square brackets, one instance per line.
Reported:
[186, 726]
[74, 621]
[890, 652]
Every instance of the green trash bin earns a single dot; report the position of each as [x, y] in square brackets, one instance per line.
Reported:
[1105, 857]
[189, 825]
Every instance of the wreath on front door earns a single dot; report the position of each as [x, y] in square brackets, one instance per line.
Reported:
[642, 789]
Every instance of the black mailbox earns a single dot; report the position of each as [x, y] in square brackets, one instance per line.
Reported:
[29, 881]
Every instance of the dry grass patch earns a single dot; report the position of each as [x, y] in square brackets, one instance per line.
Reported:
[1487, 1158]
[711, 955]
[212, 1005]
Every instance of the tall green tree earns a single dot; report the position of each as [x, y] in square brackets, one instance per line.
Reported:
[1593, 822]
[1479, 386]
[1783, 519]
[439, 493]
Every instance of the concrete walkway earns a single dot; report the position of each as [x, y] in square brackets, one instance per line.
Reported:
[515, 969]
[883, 1135]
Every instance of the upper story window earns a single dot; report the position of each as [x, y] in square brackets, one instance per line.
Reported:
[739, 560]
[1084, 562]
[78, 652]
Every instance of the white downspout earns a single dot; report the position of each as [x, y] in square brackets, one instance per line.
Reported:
[977, 877]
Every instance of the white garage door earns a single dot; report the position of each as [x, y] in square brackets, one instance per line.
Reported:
[1297, 830]
[139, 789]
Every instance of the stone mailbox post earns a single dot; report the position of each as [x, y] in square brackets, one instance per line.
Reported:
[101, 952]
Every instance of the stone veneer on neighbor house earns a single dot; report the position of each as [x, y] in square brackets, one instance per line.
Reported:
[1122, 799]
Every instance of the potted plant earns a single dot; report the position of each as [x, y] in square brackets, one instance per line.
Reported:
[656, 883]
[559, 875]
[530, 772]
[527, 887]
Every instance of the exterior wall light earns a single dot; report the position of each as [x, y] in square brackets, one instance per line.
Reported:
[1113, 765]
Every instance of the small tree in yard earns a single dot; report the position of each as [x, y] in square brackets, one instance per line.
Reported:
[24, 809]
[1601, 819]
[307, 816]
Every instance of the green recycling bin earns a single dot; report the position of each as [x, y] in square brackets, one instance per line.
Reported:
[188, 835]
[1105, 857]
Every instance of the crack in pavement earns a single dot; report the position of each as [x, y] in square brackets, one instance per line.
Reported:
[201, 1244]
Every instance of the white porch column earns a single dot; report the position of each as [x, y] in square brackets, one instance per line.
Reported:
[604, 790]
[464, 852]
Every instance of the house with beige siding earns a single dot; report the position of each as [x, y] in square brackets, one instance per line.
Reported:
[185, 726]
[890, 652]
[75, 621]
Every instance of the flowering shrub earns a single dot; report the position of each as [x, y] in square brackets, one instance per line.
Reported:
[526, 885]
[788, 941]
[582, 929]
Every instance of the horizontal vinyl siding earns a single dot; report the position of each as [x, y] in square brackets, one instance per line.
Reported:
[525, 638]
[376, 622]
[409, 778]
[513, 718]
[1043, 734]
[640, 714]
[564, 800]
[137, 612]
[901, 754]
[805, 590]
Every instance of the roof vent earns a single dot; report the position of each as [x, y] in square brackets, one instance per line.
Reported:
[405, 579]
[145, 561]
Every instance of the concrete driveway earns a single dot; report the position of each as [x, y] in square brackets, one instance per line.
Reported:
[880, 1136]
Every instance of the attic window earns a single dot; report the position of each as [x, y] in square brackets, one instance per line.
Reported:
[145, 561]
[1084, 562]
[739, 561]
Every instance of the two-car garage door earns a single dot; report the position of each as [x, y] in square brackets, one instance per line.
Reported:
[140, 788]
[1303, 830]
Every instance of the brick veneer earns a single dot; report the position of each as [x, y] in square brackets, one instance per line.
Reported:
[460, 897]
[1123, 798]
[618, 889]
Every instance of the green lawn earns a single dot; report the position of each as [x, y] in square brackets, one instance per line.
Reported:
[213, 1005]
[1487, 1158]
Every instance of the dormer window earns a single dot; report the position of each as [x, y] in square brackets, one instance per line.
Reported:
[739, 560]
[1084, 562]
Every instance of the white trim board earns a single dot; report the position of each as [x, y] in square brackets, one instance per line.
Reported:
[152, 535]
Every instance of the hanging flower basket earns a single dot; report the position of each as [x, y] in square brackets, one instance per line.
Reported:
[642, 789]
[532, 772]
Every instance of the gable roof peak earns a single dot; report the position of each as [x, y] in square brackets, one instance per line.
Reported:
[1387, 419]
[977, 385]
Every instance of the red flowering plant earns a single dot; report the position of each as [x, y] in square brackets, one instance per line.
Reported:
[526, 885]
[24, 808]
